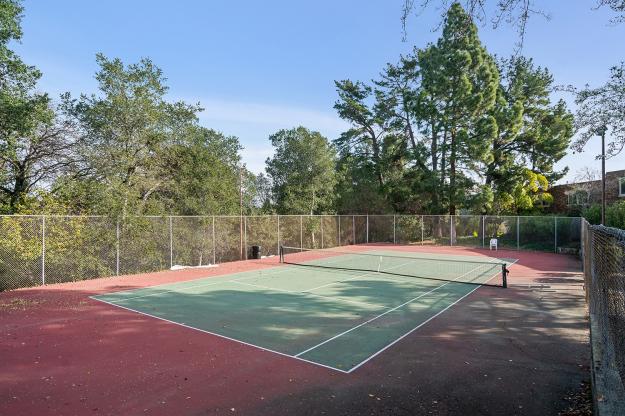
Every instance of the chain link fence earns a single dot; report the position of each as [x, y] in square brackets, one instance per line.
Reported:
[37, 250]
[604, 281]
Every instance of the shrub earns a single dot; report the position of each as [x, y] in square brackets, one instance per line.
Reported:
[614, 214]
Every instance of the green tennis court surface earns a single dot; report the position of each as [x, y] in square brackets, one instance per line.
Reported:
[320, 309]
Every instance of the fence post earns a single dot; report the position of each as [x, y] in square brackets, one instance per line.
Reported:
[278, 221]
[518, 233]
[43, 249]
[245, 236]
[394, 231]
[483, 231]
[117, 248]
[214, 246]
[451, 230]
[321, 226]
[338, 237]
[422, 229]
[353, 229]
[555, 234]
[367, 228]
[171, 243]
[301, 232]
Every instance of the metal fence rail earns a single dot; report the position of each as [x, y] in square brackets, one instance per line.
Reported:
[604, 281]
[36, 250]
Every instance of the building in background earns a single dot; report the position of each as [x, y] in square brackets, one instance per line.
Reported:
[573, 197]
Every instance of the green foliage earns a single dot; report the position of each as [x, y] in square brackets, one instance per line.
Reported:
[358, 189]
[34, 147]
[128, 129]
[444, 129]
[527, 195]
[203, 174]
[600, 109]
[448, 128]
[614, 214]
[532, 134]
[144, 155]
[302, 172]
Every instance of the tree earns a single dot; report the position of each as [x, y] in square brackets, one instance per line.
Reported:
[531, 132]
[201, 174]
[530, 192]
[302, 172]
[35, 146]
[602, 107]
[382, 156]
[262, 199]
[127, 131]
[36, 158]
[460, 80]
[447, 128]
[513, 12]
[369, 123]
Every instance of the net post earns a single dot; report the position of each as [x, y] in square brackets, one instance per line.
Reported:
[43, 249]
[117, 248]
[504, 274]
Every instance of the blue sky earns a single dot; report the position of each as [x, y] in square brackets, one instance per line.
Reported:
[257, 67]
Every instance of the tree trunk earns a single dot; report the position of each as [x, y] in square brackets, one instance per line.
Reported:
[18, 192]
[452, 174]
[434, 153]
[376, 157]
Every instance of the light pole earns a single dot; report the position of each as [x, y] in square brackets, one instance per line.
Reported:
[241, 211]
[601, 132]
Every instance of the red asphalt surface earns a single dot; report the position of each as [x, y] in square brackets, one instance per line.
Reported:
[497, 352]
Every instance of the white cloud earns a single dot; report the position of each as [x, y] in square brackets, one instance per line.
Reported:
[253, 123]
[254, 159]
[587, 158]
[271, 115]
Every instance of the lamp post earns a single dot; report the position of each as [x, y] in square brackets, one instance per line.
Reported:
[241, 211]
[601, 131]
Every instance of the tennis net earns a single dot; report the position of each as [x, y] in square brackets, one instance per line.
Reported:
[412, 265]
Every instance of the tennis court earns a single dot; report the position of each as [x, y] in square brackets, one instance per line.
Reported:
[336, 309]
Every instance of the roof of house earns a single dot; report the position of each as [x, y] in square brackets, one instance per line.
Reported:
[613, 173]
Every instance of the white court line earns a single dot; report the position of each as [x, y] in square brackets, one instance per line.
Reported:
[355, 302]
[361, 275]
[369, 358]
[384, 313]
[421, 324]
[491, 260]
[222, 336]
[180, 289]
[297, 356]
[271, 271]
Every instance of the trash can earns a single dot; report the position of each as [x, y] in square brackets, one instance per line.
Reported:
[255, 252]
